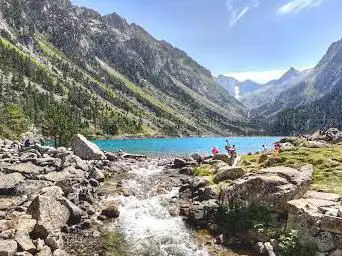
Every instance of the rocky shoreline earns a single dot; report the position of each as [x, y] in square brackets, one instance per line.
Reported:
[59, 201]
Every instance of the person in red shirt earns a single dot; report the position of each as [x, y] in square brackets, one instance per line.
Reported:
[214, 151]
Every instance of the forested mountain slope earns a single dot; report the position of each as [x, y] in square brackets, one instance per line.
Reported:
[114, 77]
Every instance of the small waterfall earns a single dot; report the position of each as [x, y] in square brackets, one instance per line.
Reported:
[145, 221]
[237, 91]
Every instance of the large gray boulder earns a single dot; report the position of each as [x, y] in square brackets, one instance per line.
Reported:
[50, 214]
[86, 149]
[228, 173]
[272, 187]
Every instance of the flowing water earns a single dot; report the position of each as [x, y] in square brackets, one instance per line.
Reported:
[145, 220]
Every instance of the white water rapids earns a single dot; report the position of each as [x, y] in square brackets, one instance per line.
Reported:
[145, 222]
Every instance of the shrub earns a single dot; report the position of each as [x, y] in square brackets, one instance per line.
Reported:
[113, 244]
[289, 245]
[237, 216]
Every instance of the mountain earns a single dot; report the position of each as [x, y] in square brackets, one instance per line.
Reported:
[248, 86]
[110, 72]
[315, 102]
[318, 82]
[271, 90]
[228, 83]
[236, 88]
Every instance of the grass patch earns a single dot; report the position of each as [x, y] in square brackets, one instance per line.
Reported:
[327, 164]
[113, 244]
[204, 170]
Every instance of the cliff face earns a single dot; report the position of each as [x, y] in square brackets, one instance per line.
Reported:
[152, 75]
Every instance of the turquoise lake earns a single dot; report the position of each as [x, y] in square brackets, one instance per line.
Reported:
[185, 146]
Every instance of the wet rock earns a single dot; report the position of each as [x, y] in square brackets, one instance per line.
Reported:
[50, 214]
[8, 247]
[228, 173]
[86, 149]
[8, 182]
[55, 240]
[111, 212]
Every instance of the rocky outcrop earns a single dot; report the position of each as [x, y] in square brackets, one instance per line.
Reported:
[273, 187]
[86, 149]
[317, 216]
[43, 192]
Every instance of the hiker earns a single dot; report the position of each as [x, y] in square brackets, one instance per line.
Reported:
[276, 150]
[214, 151]
[233, 152]
[27, 143]
[227, 147]
[264, 149]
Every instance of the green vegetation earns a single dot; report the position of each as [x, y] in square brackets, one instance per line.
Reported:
[60, 123]
[237, 217]
[113, 244]
[289, 245]
[327, 164]
[12, 121]
[204, 170]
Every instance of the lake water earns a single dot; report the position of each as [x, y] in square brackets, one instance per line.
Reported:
[185, 146]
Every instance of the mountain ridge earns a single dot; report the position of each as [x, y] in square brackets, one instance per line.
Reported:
[148, 79]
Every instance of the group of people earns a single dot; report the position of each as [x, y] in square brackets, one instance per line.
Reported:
[231, 150]
[232, 153]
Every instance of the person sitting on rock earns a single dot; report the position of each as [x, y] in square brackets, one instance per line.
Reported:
[276, 150]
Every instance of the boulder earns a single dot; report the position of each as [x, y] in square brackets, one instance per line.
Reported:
[97, 174]
[7, 234]
[8, 247]
[86, 149]
[25, 242]
[112, 156]
[24, 168]
[111, 212]
[75, 211]
[197, 157]
[179, 163]
[46, 251]
[8, 182]
[272, 187]
[67, 173]
[286, 146]
[10, 202]
[324, 241]
[25, 225]
[55, 240]
[228, 173]
[50, 214]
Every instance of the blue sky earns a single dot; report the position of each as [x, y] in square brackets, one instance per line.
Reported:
[248, 39]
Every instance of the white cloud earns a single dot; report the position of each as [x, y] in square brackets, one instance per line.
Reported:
[295, 6]
[237, 9]
[260, 76]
